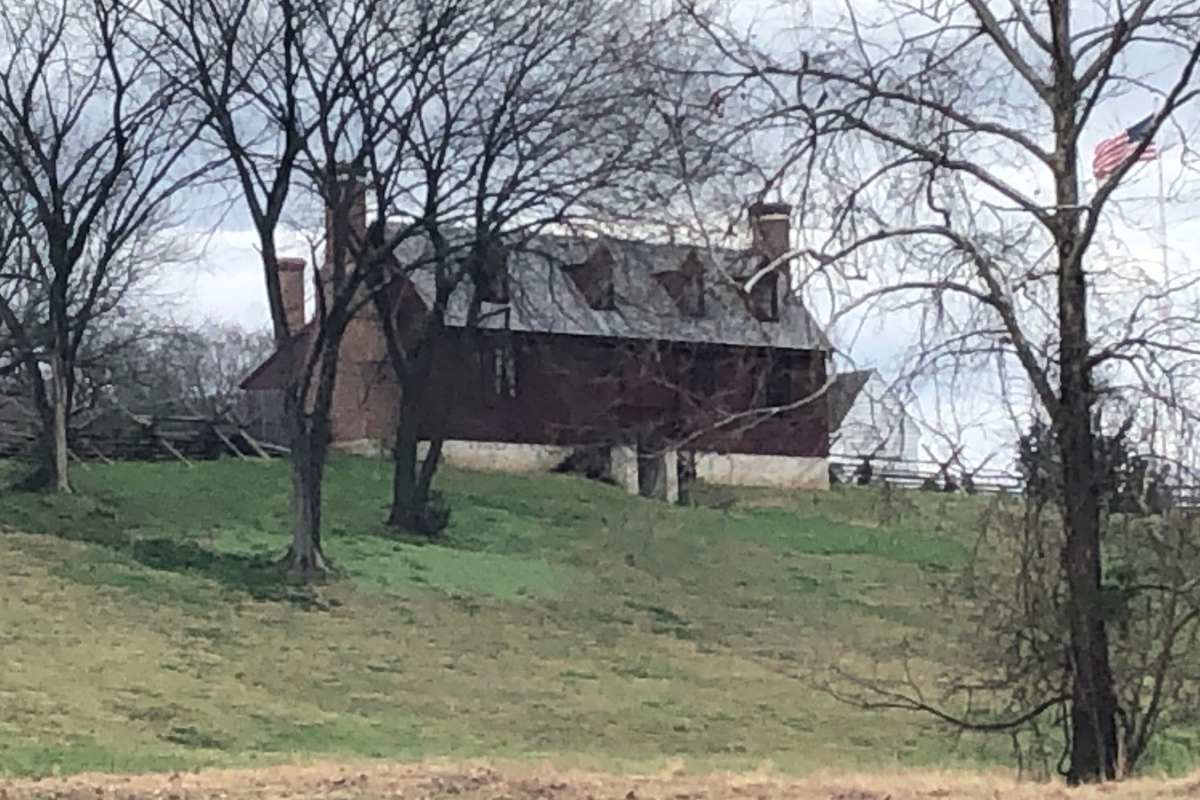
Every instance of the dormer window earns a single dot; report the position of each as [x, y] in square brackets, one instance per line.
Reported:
[763, 297]
[685, 285]
[594, 279]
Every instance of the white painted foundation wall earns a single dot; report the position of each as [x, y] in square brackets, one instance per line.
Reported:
[483, 456]
[499, 456]
[730, 469]
[742, 469]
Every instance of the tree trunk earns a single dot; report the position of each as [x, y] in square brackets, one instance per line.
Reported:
[412, 480]
[50, 472]
[1093, 699]
[305, 559]
[1093, 712]
[404, 474]
[59, 398]
[685, 470]
[429, 466]
[308, 434]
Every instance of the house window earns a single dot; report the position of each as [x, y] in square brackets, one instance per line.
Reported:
[606, 297]
[595, 282]
[500, 371]
[779, 384]
[704, 375]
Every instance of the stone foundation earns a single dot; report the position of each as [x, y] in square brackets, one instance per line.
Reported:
[730, 469]
[372, 448]
[482, 456]
[784, 472]
[500, 456]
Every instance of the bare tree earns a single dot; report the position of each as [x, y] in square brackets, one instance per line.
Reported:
[239, 62]
[121, 325]
[937, 147]
[156, 367]
[544, 133]
[314, 101]
[93, 148]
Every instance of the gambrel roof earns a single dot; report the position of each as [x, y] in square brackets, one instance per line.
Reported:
[545, 299]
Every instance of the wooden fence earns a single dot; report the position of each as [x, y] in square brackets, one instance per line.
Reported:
[931, 475]
[922, 474]
[120, 434]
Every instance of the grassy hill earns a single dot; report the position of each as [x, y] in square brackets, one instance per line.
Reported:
[145, 627]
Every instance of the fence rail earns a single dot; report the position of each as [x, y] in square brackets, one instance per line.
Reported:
[922, 474]
[915, 474]
[147, 438]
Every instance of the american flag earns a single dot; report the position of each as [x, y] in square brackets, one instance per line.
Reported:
[1114, 151]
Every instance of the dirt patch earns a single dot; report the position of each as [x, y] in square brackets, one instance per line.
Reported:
[523, 781]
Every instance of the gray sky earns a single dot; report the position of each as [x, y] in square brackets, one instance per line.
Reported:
[225, 282]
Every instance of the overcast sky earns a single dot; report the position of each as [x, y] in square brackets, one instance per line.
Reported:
[225, 282]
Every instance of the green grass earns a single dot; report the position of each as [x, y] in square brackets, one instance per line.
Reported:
[145, 625]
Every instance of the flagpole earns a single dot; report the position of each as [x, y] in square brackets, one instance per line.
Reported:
[1162, 232]
[1162, 219]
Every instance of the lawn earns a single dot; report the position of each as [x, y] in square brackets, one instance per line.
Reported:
[145, 627]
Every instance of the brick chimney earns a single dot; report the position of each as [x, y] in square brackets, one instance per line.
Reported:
[493, 270]
[770, 235]
[291, 286]
[345, 215]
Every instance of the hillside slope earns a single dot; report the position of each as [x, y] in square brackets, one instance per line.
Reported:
[144, 625]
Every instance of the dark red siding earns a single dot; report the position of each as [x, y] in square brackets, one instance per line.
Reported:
[577, 390]
[574, 390]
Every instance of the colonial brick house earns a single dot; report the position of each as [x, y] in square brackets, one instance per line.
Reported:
[635, 350]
